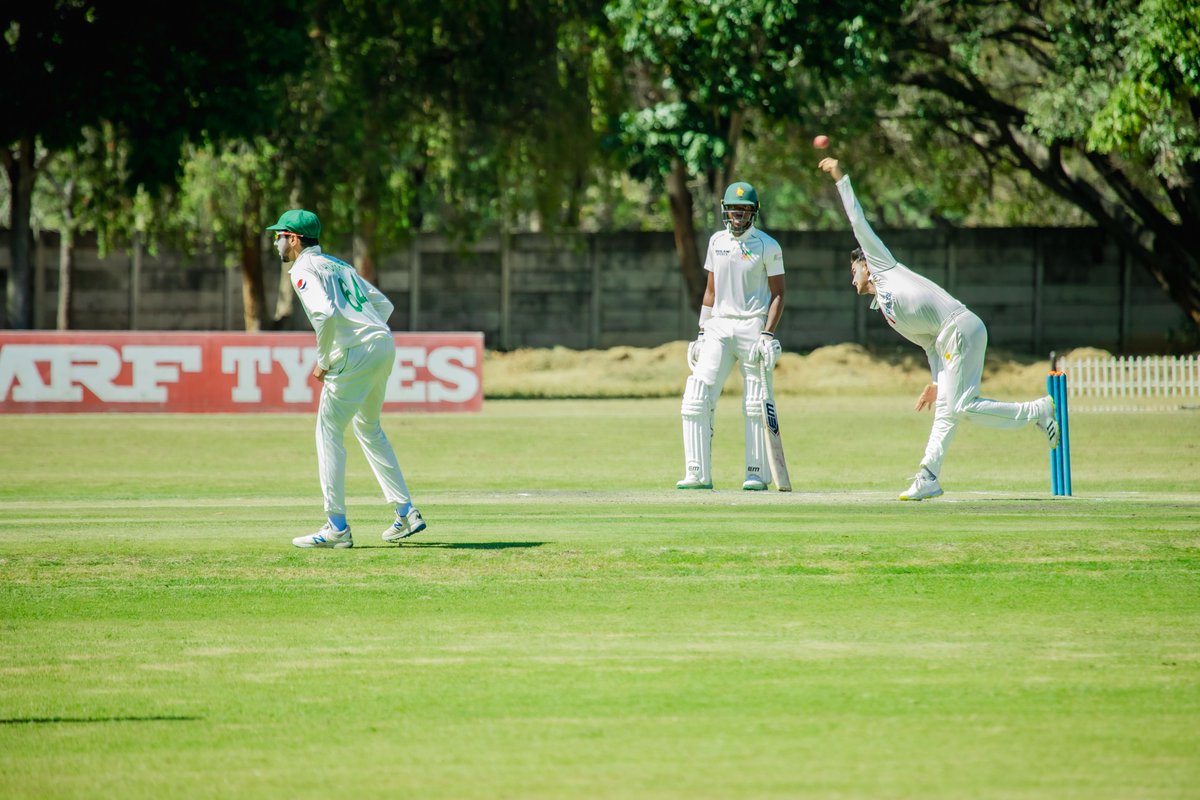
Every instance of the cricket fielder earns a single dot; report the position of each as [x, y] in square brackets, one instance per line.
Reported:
[742, 306]
[355, 354]
[953, 338]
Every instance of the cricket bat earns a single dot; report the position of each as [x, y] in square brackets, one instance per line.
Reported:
[774, 443]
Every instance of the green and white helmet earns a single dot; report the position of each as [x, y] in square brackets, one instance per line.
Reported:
[736, 216]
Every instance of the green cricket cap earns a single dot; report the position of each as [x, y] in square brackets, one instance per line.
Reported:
[299, 221]
[740, 194]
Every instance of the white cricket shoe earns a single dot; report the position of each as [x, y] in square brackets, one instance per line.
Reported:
[405, 526]
[692, 482]
[326, 537]
[923, 487]
[754, 483]
[1046, 422]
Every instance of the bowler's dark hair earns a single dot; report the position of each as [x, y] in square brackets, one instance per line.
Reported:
[308, 241]
[857, 255]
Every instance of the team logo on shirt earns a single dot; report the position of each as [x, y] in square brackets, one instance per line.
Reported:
[302, 284]
[887, 306]
[742, 249]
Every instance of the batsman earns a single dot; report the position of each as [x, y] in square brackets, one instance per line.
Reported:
[742, 306]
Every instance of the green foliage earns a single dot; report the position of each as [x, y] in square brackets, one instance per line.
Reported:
[1092, 100]
[71, 66]
[472, 117]
[224, 196]
[1148, 110]
[446, 117]
[651, 138]
[698, 69]
[142, 80]
[104, 204]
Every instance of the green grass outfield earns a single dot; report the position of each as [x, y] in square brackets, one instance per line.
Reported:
[571, 625]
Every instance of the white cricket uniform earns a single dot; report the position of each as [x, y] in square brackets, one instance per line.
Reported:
[356, 347]
[953, 338]
[741, 266]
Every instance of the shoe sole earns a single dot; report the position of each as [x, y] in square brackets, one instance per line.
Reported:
[697, 486]
[755, 488]
[919, 499]
[337, 546]
[1053, 438]
[395, 537]
[1050, 428]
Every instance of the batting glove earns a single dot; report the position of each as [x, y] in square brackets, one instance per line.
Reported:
[693, 353]
[769, 350]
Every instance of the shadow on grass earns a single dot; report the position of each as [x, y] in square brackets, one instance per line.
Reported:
[85, 720]
[965, 498]
[452, 545]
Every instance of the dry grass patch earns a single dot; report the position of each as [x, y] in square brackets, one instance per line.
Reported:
[661, 371]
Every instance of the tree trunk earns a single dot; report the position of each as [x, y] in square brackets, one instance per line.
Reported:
[370, 188]
[1114, 192]
[720, 177]
[285, 300]
[253, 294]
[21, 174]
[254, 300]
[66, 274]
[364, 244]
[1165, 249]
[416, 213]
[1177, 270]
[66, 256]
[684, 223]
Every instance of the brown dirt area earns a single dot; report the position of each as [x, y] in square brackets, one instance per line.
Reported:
[661, 371]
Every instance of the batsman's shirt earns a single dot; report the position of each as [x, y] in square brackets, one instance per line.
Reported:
[912, 304]
[740, 266]
[345, 310]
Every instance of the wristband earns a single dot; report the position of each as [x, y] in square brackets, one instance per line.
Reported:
[768, 333]
[705, 315]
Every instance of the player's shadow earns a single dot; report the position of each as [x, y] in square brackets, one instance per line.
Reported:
[456, 545]
[473, 545]
[92, 720]
[1029, 499]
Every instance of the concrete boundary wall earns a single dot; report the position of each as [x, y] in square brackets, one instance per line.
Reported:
[1037, 289]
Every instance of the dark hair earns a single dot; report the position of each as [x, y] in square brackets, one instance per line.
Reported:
[308, 241]
[857, 255]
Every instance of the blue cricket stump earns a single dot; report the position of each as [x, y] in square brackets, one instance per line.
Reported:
[1060, 457]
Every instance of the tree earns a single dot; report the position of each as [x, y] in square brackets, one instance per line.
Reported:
[464, 117]
[222, 205]
[1098, 101]
[70, 67]
[701, 75]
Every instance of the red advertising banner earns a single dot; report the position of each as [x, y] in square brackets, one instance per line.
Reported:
[51, 371]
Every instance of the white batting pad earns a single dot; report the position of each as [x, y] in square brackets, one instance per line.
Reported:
[756, 449]
[696, 410]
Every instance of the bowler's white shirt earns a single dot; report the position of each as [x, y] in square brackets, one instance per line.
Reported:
[912, 304]
[345, 310]
[740, 266]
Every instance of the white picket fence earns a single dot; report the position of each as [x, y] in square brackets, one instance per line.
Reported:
[1133, 383]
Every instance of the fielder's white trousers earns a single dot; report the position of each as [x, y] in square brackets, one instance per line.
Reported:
[726, 341]
[962, 345]
[355, 392]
